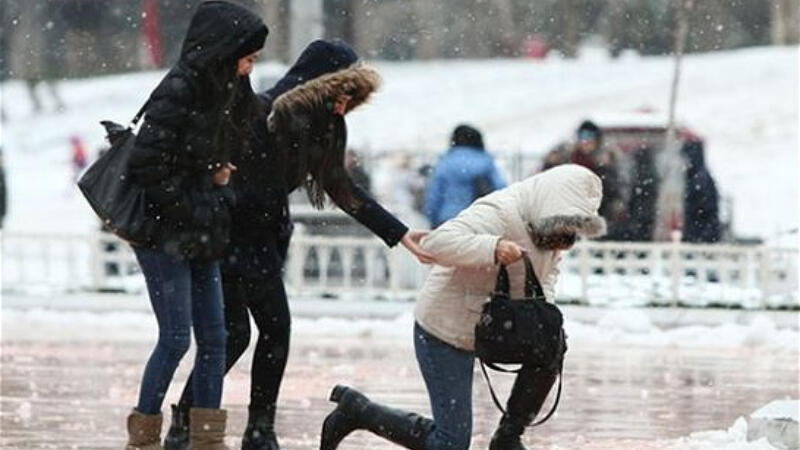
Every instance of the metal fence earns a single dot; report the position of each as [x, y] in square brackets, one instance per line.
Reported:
[597, 273]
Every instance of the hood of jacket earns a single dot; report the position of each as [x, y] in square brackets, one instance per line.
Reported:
[695, 155]
[318, 95]
[564, 199]
[222, 31]
[319, 58]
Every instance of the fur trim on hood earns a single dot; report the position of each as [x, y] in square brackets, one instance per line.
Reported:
[561, 200]
[589, 226]
[358, 81]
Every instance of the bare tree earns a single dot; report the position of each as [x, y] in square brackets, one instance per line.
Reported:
[784, 21]
[670, 197]
[569, 15]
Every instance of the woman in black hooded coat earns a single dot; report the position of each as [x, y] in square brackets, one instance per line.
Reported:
[701, 198]
[302, 144]
[182, 160]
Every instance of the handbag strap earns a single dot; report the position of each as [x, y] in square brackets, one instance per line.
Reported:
[500, 407]
[532, 285]
[139, 114]
[501, 369]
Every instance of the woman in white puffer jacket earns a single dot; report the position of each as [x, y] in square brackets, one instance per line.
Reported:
[539, 216]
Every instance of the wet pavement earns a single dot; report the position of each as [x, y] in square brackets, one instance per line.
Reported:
[65, 395]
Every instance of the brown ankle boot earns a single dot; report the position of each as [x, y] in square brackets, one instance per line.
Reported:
[207, 429]
[144, 431]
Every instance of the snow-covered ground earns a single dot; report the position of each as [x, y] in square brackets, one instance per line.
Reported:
[734, 438]
[649, 387]
[617, 327]
[743, 102]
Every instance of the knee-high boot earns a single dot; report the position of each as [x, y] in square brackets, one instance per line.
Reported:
[527, 396]
[177, 437]
[356, 412]
[260, 431]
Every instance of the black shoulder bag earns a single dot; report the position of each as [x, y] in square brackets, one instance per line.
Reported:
[527, 331]
[107, 185]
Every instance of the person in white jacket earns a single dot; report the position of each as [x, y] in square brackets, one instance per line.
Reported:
[537, 217]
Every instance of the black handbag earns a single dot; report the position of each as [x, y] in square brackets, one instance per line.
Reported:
[107, 185]
[527, 331]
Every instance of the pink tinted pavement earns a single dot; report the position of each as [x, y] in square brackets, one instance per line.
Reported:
[76, 394]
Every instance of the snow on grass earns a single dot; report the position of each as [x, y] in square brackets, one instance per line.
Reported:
[620, 327]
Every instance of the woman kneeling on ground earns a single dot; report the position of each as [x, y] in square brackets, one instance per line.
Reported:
[537, 217]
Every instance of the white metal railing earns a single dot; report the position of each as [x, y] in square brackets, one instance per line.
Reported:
[346, 266]
[675, 273]
[592, 272]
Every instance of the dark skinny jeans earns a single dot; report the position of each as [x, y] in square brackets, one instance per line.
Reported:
[185, 295]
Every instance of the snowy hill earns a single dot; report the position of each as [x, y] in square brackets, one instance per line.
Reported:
[743, 102]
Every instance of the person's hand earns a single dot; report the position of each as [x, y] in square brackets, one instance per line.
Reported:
[222, 176]
[507, 252]
[341, 105]
[411, 242]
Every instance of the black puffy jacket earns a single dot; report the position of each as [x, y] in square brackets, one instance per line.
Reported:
[178, 147]
[701, 198]
[261, 222]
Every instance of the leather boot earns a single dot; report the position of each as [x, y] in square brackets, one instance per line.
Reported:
[527, 397]
[178, 435]
[356, 412]
[260, 431]
[207, 429]
[144, 431]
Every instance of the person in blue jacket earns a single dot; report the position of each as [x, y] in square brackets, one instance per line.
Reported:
[465, 173]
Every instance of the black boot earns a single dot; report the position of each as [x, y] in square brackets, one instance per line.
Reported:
[527, 396]
[178, 435]
[356, 412]
[260, 431]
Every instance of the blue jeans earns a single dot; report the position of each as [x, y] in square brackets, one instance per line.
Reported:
[448, 376]
[184, 295]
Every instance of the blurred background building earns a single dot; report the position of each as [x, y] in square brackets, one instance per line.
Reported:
[42, 39]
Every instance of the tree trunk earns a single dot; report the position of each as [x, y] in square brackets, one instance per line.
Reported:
[777, 13]
[569, 15]
[670, 197]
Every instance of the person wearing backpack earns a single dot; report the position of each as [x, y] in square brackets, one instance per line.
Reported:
[466, 172]
[183, 159]
[300, 141]
[539, 217]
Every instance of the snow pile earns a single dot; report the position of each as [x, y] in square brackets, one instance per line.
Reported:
[779, 409]
[41, 324]
[617, 327]
[776, 422]
[653, 289]
[734, 438]
[633, 327]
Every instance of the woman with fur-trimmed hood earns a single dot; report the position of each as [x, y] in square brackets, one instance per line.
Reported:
[300, 139]
[538, 217]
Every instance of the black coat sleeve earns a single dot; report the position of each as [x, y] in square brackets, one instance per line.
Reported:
[373, 216]
[153, 163]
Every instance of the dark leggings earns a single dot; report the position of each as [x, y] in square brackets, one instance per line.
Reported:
[266, 300]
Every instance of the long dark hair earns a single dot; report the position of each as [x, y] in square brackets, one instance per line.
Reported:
[325, 166]
[313, 148]
[238, 106]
